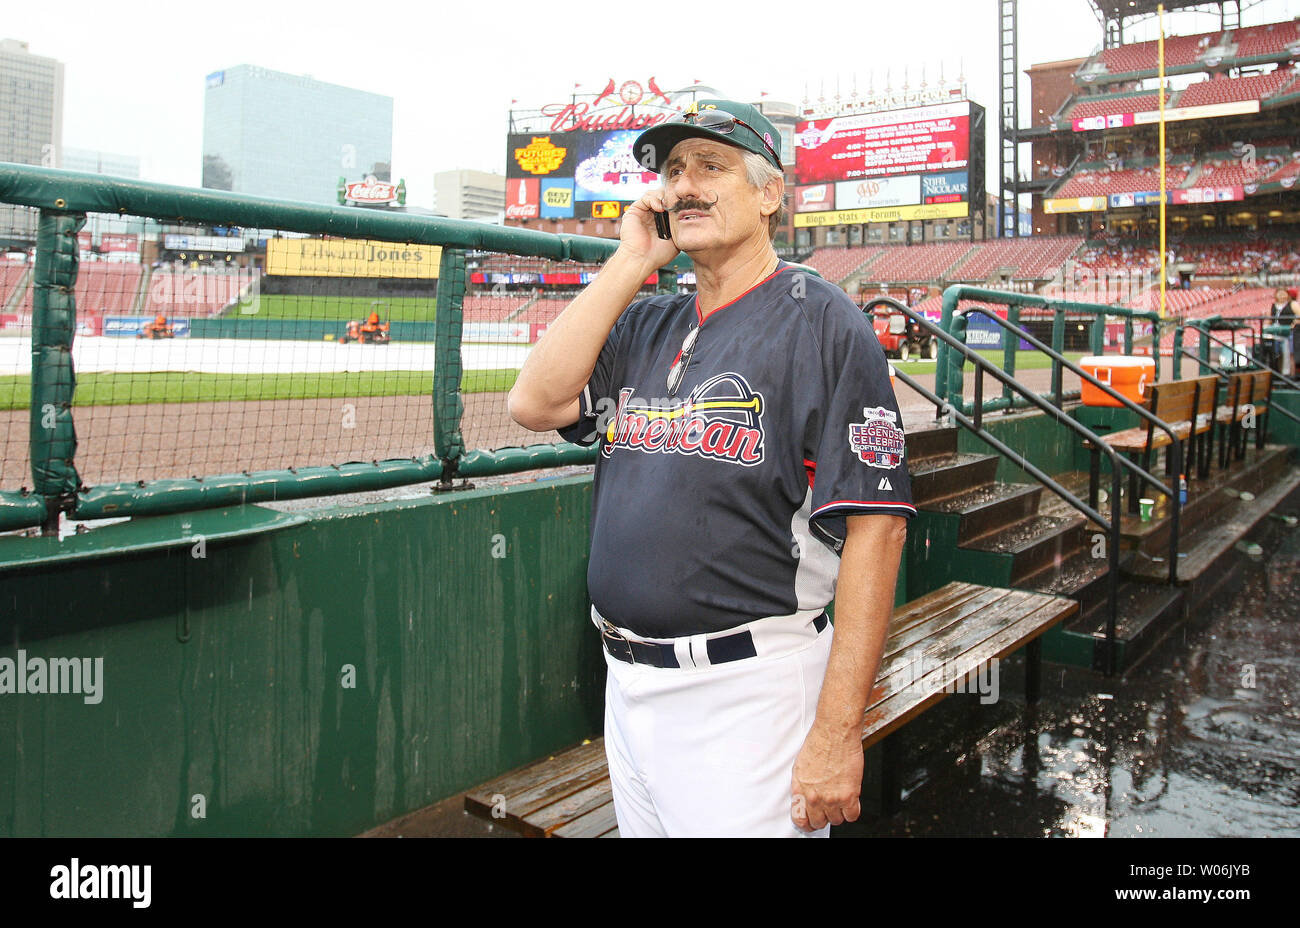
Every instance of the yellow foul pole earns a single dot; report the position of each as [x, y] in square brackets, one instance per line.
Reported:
[1160, 57]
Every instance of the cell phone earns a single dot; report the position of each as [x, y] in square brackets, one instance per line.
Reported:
[661, 225]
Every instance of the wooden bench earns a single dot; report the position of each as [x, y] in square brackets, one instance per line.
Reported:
[1248, 393]
[1188, 407]
[934, 644]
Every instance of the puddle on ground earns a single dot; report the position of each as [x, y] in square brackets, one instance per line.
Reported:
[1201, 739]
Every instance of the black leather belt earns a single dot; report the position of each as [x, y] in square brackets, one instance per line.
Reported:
[721, 650]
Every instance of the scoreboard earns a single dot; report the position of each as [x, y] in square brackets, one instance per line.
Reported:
[925, 162]
[573, 175]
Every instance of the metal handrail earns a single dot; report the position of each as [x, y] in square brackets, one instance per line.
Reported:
[1059, 360]
[975, 426]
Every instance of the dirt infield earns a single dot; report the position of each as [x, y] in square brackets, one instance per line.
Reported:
[125, 443]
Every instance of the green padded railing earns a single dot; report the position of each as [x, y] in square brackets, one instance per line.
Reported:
[948, 369]
[65, 197]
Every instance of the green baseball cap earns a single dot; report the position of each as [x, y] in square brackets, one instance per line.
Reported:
[738, 124]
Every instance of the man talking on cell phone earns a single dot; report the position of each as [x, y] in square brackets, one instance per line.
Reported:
[751, 453]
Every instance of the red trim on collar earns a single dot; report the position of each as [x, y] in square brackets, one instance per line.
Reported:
[701, 317]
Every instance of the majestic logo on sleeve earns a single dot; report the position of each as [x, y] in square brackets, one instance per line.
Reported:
[721, 419]
[878, 441]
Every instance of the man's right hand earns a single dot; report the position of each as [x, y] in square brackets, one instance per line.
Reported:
[638, 235]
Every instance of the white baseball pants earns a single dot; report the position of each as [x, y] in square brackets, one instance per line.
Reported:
[708, 751]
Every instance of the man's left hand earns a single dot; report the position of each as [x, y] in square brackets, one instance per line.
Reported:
[826, 780]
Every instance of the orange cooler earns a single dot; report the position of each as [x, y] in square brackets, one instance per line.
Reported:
[1126, 375]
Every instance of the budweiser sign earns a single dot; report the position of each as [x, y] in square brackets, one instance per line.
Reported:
[372, 192]
[612, 109]
[583, 117]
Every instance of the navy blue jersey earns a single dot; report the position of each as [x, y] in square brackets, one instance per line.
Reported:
[726, 502]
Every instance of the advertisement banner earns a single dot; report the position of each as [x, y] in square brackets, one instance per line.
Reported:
[983, 332]
[594, 166]
[1207, 195]
[202, 243]
[814, 199]
[540, 155]
[557, 198]
[314, 257]
[1074, 205]
[119, 242]
[522, 198]
[1178, 113]
[843, 217]
[131, 325]
[876, 192]
[949, 187]
[514, 332]
[926, 138]
[1093, 123]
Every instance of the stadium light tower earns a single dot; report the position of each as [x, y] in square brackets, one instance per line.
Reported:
[1009, 126]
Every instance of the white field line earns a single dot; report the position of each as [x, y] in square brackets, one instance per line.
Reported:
[252, 356]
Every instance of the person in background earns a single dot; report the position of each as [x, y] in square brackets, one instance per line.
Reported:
[1283, 312]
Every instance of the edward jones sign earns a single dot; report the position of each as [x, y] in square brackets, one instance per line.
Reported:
[314, 257]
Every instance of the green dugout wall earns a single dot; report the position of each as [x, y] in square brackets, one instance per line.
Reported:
[463, 617]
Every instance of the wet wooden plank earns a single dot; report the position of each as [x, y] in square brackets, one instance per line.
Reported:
[546, 820]
[596, 823]
[544, 780]
[899, 671]
[903, 706]
[932, 624]
[955, 595]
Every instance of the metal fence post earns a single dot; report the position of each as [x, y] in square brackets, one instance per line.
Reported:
[1058, 345]
[953, 379]
[448, 407]
[54, 309]
[1097, 336]
[1010, 345]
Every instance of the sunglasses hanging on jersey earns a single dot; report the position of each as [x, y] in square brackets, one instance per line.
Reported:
[678, 370]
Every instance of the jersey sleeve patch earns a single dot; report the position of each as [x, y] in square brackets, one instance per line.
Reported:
[878, 441]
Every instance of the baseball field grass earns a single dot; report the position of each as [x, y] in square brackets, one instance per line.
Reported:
[119, 389]
[1025, 361]
[338, 308]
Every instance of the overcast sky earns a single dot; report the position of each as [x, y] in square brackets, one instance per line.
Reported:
[135, 72]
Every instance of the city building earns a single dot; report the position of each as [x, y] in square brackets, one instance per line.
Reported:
[470, 195]
[31, 106]
[100, 162]
[31, 126]
[289, 136]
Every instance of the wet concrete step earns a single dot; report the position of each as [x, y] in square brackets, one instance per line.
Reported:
[1081, 576]
[1035, 543]
[988, 508]
[1208, 547]
[1206, 497]
[1146, 613]
[930, 442]
[943, 475]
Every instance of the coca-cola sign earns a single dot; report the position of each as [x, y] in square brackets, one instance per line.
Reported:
[372, 192]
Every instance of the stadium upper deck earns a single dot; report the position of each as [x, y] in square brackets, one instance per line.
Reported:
[1232, 153]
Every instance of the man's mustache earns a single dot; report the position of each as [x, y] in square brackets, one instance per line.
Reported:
[691, 203]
